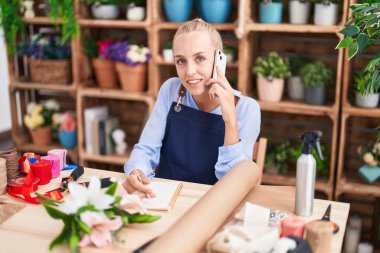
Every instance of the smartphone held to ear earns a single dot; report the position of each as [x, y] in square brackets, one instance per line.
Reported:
[220, 61]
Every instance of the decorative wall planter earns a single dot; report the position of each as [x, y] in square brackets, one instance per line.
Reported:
[326, 14]
[178, 10]
[215, 11]
[295, 88]
[132, 78]
[68, 139]
[270, 13]
[315, 95]
[59, 71]
[368, 101]
[105, 11]
[41, 135]
[105, 73]
[299, 11]
[135, 13]
[270, 91]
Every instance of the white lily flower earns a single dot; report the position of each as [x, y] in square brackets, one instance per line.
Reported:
[52, 104]
[81, 196]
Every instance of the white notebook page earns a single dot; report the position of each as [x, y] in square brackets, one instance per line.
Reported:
[166, 194]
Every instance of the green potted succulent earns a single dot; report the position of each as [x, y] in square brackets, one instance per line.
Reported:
[367, 93]
[295, 86]
[277, 158]
[11, 22]
[271, 72]
[167, 52]
[362, 31]
[316, 76]
[136, 10]
[270, 11]
[104, 9]
[326, 12]
[230, 53]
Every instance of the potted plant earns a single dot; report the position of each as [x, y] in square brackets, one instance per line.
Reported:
[230, 53]
[104, 9]
[367, 94]
[294, 84]
[66, 126]
[131, 64]
[12, 23]
[277, 158]
[271, 71]
[316, 76]
[63, 16]
[326, 12]
[177, 10]
[215, 11]
[136, 10]
[167, 52]
[105, 70]
[361, 31]
[370, 155]
[39, 119]
[299, 11]
[46, 51]
[270, 11]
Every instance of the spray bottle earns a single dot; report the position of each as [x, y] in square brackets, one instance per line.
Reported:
[306, 170]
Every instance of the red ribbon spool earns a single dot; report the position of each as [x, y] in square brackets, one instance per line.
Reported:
[16, 184]
[42, 170]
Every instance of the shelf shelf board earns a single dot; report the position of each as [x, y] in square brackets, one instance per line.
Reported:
[30, 147]
[296, 107]
[40, 20]
[163, 25]
[320, 185]
[345, 185]
[113, 159]
[115, 93]
[37, 86]
[162, 62]
[358, 111]
[309, 28]
[113, 23]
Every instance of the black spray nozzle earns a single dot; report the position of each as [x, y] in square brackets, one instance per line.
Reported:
[311, 139]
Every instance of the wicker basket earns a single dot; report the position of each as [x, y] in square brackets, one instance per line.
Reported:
[50, 71]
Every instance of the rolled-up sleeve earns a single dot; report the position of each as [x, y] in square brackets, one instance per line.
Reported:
[249, 121]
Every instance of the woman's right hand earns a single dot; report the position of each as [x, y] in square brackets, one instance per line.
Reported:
[132, 184]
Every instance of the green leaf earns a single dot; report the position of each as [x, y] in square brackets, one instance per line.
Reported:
[112, 189]
[345, 43]
[60, 238]
[125, 220]
[374, 62]
[73, 239]
[353, 50]
[350, 30]
[55, 213]
[84, 227]
[375, 76]
[362, 41]
[143, 218]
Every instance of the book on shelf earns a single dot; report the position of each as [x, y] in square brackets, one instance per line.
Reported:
[90, 114]
[106, 127]
[166, 193]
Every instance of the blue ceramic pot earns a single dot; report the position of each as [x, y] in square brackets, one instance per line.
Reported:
[270, 13]
[178, 10]
[68, 139]
[215, 11]
[198, 9]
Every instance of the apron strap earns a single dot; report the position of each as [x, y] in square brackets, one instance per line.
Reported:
[181, 95]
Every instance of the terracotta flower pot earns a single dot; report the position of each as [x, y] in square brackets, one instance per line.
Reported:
[41, 136]
[132, 78]
[105, 73]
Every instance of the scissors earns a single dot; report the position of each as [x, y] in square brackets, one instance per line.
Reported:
[326, 218]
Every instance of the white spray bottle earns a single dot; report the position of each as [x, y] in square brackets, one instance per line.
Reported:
[306, 170]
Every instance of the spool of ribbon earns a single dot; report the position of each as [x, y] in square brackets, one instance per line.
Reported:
[3, 176]
[318, 235]
[54, 164]
[61, 154]
[292, 225]
[16, 184]
[10, 155]
[26, 160]
[42, 170]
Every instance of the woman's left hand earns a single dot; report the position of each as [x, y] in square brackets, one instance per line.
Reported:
[222, 90]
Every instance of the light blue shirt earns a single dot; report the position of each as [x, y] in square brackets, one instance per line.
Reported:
[146, 154]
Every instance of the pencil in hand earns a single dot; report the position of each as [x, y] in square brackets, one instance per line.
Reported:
[140, 179]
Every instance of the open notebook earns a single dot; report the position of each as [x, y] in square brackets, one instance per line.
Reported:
[166, 195]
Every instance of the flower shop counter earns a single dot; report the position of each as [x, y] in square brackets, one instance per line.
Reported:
[31, 229]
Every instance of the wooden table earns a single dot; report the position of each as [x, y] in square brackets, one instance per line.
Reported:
[32, 229]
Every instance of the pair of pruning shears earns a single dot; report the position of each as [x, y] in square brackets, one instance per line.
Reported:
[326, 218]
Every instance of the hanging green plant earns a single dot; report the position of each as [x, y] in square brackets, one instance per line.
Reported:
[12, 23]
[64, 9]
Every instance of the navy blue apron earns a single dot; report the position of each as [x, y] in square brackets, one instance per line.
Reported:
[189, 149]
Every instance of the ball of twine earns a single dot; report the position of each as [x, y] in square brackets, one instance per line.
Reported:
[10, 156]
[3, 176]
